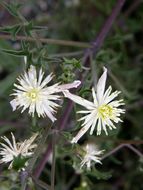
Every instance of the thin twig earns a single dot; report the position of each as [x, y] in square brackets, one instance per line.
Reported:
[136, 151]
[135, 142]
[107, 26]
[38, 150]
[40, 183]
[116, 149]
[42, 162]
[69, 54]
[119, 141]
[64, 119]
[48, 41]
[132, 7]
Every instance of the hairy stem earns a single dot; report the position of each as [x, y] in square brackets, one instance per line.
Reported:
[53, 163]
[36, 154]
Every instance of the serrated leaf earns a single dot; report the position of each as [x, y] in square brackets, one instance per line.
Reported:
[25, 45]
[28, 28]
[12, 8]
[76, 63]
[98, 174]
[13, 30]
[15, 53]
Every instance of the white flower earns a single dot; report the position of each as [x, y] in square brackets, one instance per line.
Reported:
[102, 112]
[32, 92]
[9, 151]
[91, 154]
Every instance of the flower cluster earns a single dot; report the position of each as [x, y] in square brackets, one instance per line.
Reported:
[32, 92]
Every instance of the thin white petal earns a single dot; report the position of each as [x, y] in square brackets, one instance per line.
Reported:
[101, 85]
[63, 87]
[14, 104]
[41, 74]
[99, 127]
[14, 142]
[82, 131]
[93, 126]
[46, 80]
[77, 99]
[94, 97]
[104, 127]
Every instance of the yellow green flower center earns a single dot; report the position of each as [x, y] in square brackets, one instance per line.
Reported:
[33, 94]
[105, 111]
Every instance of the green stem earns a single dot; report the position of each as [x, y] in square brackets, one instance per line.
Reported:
[33, 33]
[35, 126]
[36, 154]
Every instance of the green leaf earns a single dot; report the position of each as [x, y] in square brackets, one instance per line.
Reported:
[19, 162]
[28, 27]
[12, 8]
[15, 53]
[76, 63]
[13, 30]
[99, 175]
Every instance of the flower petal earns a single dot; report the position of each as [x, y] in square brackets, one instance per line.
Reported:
[77, 99]
[101, 85]
[64, 87]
